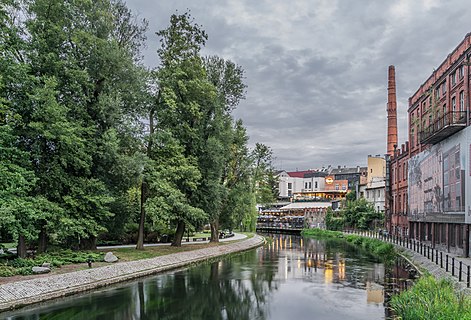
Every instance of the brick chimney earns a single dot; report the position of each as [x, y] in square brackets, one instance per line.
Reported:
[392, 111]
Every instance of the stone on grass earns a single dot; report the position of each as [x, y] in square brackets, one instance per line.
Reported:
[39, 270]
[46, 265]
[1, 251]
[110, 257]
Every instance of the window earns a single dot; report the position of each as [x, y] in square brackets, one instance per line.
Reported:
[310, 185]
[443, 87]
[460, 72]
[437, 92]
[305, 185]
[453, 104]
[411, 138]
[337, 187]
[453, 78]
[315, 184]
[290, 185]
[462, 101]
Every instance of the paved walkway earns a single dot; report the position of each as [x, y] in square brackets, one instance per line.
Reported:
[13, 295]
[237, 236]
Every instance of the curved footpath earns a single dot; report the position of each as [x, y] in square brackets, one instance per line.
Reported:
[17, 294]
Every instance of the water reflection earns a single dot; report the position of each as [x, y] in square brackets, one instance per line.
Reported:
[291, 277]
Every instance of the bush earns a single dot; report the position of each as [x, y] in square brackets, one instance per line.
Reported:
[56, 258]
[431, 299]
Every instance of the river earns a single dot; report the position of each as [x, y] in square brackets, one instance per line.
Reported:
[289, 278]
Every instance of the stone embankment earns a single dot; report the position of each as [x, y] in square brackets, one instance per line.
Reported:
[426, 258]
[17, 294]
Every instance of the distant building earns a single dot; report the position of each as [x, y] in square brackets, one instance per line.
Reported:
[374, 189]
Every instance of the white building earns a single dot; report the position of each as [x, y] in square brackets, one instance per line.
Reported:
[290, 183]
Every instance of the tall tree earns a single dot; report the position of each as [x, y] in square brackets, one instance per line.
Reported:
[183, 93]
[77, 101]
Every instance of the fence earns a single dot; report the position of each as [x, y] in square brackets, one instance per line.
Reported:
[455, 266]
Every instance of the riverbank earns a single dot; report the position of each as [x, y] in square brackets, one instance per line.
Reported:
[21, 293]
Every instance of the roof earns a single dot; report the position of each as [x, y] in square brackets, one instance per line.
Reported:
[349, 170]
[299, 174]
[302, 205]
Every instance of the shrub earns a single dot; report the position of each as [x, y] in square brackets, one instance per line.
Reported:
[431, 299]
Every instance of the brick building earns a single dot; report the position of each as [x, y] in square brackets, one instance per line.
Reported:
[429, 174]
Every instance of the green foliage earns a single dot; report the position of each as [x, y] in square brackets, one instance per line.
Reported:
[431, 299]
[333, 220]
[374, 246]
[357, 214]
[59, 258]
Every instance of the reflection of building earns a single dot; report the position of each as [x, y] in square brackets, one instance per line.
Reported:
[429, 175]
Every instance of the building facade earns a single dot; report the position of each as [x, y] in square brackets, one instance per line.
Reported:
[431, 174]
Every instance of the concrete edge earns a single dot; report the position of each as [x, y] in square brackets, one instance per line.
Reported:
[240, 246]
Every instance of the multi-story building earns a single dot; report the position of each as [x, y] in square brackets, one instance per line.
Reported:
[356, 176]
[374, 189]
[429, 175]
[294, 182]
[439, 164]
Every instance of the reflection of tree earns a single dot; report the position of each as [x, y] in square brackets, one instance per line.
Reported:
[228, 289]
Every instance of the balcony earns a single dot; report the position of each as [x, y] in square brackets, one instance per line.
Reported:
[443, 127]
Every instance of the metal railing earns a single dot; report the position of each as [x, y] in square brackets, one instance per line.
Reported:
[450, 118]
[456, 267]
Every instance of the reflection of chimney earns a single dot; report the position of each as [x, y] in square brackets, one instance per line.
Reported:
[392, 110]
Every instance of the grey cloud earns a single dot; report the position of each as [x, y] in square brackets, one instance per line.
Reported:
[317, 70]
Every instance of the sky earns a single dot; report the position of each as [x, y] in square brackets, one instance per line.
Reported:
[317, 70]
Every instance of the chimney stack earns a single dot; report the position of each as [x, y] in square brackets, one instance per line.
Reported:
[392, 111]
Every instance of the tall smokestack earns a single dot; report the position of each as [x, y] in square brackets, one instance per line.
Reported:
[392, 111]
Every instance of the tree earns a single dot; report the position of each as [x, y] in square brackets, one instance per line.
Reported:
[263, 174]
[76, 98]
[183, 92]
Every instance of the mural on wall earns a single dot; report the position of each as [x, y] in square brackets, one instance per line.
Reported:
[437, 177]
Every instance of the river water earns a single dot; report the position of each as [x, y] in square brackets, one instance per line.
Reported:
[291, 278]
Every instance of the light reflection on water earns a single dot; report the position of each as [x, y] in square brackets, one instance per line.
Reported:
[289, 278]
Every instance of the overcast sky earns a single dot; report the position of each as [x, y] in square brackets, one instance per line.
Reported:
[316, 70]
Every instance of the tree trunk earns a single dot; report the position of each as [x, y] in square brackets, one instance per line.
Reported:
[140, 234]
[177, 242]
[42, 245]
[21, 247]
[215, 231]
[88, 243]
[144, 187]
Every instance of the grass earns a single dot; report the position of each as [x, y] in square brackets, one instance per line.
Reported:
[431, 299]
[8, 245]
[131, 254]
[375, 246]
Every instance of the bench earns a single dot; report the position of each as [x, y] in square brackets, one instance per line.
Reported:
[199, 239]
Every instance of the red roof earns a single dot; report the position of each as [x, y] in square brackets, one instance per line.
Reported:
[298, 174]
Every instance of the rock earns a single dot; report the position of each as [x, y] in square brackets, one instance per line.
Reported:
[38, 270]
[46, 265]
[110, 257]
[1, 251]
